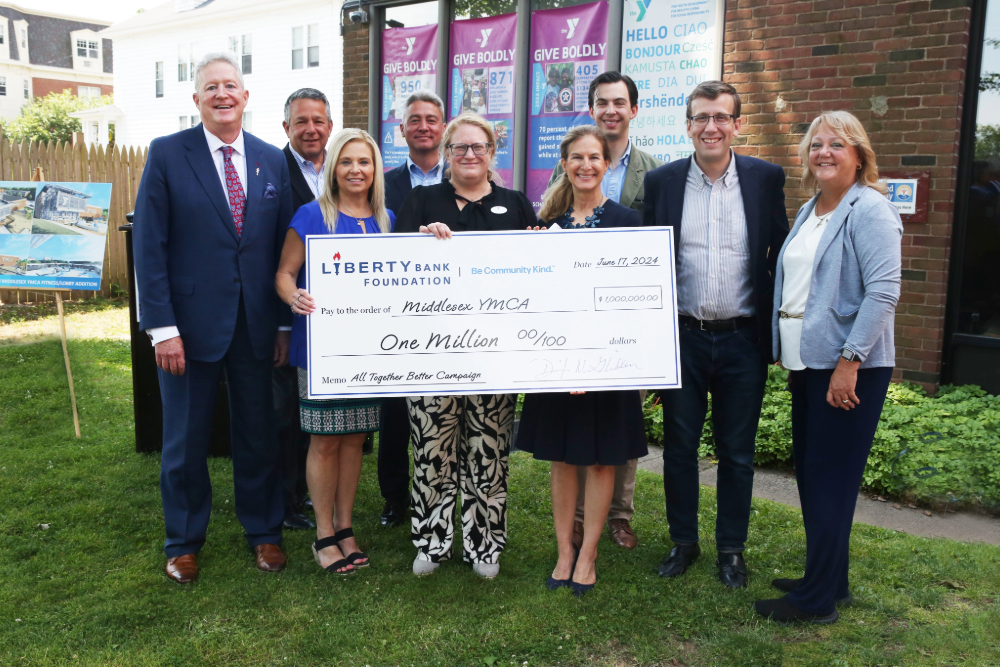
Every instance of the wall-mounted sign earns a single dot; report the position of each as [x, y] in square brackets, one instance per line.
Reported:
[668, 48]
[568, 50]
[52, 235]
[482, 78]
[409, 64]
[909, 192]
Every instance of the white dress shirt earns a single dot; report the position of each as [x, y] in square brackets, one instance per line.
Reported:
[713, 275]
[797, 271]
[215, 144]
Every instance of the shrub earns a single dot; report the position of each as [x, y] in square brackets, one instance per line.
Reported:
[942, 448]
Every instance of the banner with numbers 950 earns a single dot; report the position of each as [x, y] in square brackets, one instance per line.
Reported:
[409, 64]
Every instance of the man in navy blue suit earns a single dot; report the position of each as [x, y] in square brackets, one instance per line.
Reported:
[211, 214]
[422, 128]
[729, 220]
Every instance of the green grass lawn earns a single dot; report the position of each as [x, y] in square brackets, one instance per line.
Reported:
[90, 589]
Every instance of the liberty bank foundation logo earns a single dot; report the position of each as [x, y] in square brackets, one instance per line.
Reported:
[572, 23]
[410, 41]
[485, 37]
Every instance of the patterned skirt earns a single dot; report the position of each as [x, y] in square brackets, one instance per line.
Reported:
[337, 416]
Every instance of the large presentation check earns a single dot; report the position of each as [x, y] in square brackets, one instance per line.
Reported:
[501, 312]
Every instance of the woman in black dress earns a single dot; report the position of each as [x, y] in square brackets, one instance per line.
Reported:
[472, 433]
[597, 429]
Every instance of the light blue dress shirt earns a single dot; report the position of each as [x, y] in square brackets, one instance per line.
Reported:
[614, 178]
[314, 179]
[418, 177]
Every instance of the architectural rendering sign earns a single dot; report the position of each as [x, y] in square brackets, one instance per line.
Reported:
[568, 49]
[668, 48]
[409, 64]
[52, 235]
[482, 78]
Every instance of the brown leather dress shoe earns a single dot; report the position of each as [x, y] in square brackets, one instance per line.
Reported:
[577, 535]
[182, 569]
[270, 558]
[622, 533]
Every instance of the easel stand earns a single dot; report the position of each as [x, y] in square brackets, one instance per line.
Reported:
[40, 176]
[69, 371]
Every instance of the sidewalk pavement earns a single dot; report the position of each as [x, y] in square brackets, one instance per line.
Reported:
[780, 487]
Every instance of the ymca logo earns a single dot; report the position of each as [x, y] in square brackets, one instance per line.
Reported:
[643, 6]
[486, 37]
[410, 41]
[572, 23]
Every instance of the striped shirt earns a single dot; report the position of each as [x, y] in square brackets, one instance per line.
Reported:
[713, 276]
[314, 179]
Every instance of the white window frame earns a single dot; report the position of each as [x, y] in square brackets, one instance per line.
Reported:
[3, 86]
[3, 30]
[158, 77]
[88, 48]
[248, 121]
[312, 45]
[298, 47]
[246, 54]
[27, 90]
[182, 64]
[91, 91]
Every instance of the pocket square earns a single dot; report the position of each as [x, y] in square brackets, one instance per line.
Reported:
[270, 192]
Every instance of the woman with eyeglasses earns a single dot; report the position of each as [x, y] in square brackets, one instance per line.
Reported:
[462, 441]
[835, 292]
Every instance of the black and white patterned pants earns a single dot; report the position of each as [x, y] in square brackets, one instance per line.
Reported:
[460, 440]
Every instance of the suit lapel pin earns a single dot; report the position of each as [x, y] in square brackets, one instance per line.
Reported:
[258, 171]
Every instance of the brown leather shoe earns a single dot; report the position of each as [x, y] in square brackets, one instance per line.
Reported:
[182, 569]
[270, 558]
[622, 533]
[577, 535]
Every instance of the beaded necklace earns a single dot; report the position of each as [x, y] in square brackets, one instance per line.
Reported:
[590, 220]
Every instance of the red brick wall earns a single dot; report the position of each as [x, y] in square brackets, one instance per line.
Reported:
[898, 66]
[42, 87]
[355, 74]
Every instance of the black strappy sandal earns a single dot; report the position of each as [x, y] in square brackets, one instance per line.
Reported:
[353, 558]
[333, 568]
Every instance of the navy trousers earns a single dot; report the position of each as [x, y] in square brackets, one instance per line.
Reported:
[393, 451]
[830, 450]
[728, 365]
[188, 401]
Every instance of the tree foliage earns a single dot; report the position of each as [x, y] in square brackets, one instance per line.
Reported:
[987, 141]
[481, 8]
[47, 118]
[990, 81]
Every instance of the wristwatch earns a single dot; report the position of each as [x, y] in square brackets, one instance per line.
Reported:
[849, 355]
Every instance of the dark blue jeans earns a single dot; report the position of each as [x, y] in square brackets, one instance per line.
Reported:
[728, 365]
[830, 447]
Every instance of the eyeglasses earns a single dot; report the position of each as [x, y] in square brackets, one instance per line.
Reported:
[721, 119]
[458, 150]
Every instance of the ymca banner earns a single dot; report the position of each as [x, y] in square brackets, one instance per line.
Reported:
[568, 50]
[668, 48]
[482, 78]
[409, 64]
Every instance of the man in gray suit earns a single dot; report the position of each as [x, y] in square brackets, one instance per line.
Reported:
[614, 102]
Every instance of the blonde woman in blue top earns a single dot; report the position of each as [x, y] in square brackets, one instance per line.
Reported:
[352, 202]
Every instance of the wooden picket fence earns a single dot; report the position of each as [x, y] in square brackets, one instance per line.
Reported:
[122, 167]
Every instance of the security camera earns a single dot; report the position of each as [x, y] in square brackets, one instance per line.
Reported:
[358, 16]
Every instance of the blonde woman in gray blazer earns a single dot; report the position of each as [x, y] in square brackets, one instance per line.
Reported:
[836, 288]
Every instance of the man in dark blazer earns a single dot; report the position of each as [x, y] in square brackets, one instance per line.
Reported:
[211, 214]
[422, 128]
[308, 126]
[729, 220]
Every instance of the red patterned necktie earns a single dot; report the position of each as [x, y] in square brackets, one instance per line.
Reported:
[237, 199]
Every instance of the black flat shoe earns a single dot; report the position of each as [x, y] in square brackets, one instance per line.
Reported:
[352, 558]
[579, 590]
[732, 570]
[783, 611]
[297, 521]
[787, 585]
[369, 445]
[393, 514]
[555, 584]
[337, 567]
[679, 560]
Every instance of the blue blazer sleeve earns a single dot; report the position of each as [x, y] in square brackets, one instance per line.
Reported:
[151, 235]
